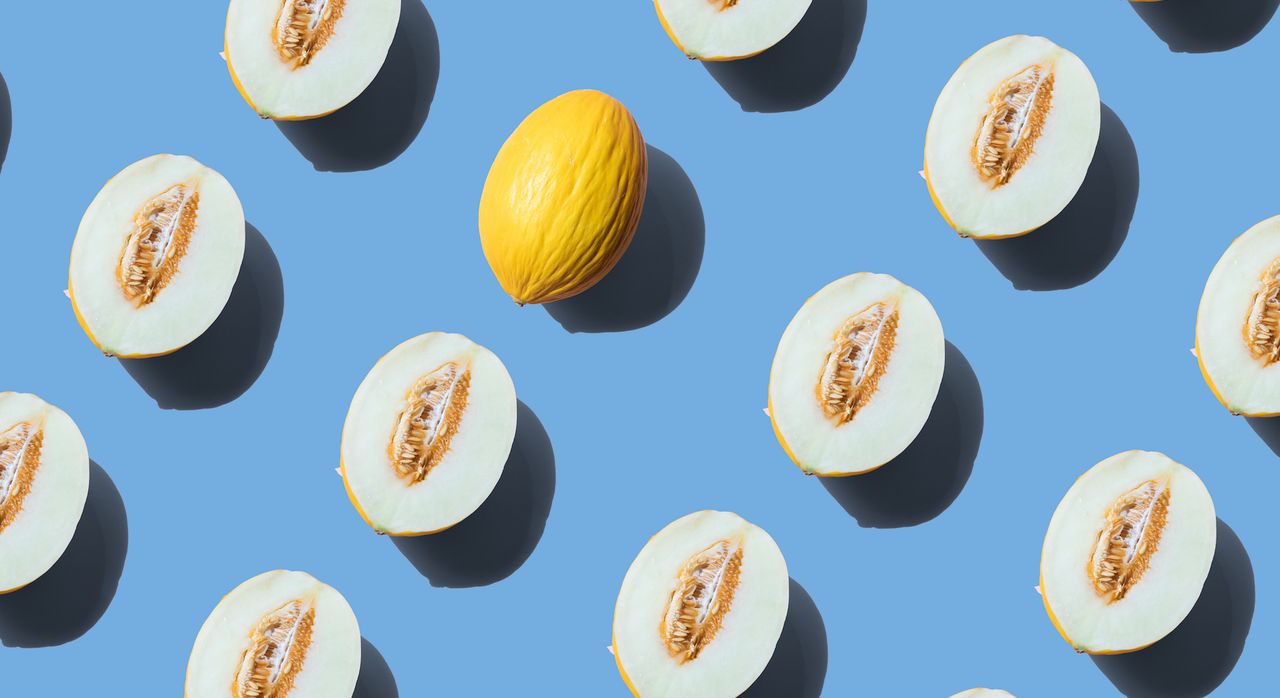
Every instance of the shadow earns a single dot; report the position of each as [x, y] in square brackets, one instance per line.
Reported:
[221, 364]
[927, 477]
[6, 121]
[68, 600]
[380, 124]
[798, 667]
[494, 542]
[803, 68]
[659, 267]
[1082, 240]
[1267, 429]
[1197, 26]
[376, 679]
[1198, 655]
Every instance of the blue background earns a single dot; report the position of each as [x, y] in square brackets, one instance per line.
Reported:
[655, 422]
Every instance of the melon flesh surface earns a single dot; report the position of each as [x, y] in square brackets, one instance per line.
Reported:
[477, 453]
[739, 651]
[729, 29]
[1164, 594]
[1059, 157]
[330, 665]
[983, 693]
[337, 72]
[184, 308]
[42, 522]
[904, 396]
[1245, 383]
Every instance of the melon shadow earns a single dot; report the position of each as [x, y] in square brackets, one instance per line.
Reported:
[1189, 26]
[69, 599]
[221, 364]
[659, 267]
[495, 541]
[1200, 653]
[1081, 241]
[380, 124]
[927, 477]
[803, 68]
[798, 667]
[376, 679]
[1267, 429]
[6, 120]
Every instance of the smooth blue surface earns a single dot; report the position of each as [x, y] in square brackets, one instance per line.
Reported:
[647, 425]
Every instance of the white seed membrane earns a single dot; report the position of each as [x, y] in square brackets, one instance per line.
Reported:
[278, 635]
[1238, 323]
[44, 481]
[304, 58]
[428, 434]
[156, 256]
[725, 29]
[1127, 552]
[701, 608]
[855, 374]
[1011, 137]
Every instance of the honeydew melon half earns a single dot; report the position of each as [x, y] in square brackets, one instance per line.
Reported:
[428, 434]
[44, 480]
[1238, 324]
[1011, 137]
[156, 256]
[701, 608]
[299, 59]
[855, 375]
[279, 633]
[726, 30]
[983, 693]
[1127, 553]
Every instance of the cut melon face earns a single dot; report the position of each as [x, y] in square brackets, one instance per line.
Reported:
[299, 59]
[428, 434]
[156, 256]
[701, 608]
[1238, 324]
[1011, 137]
[725, 30]
[1127, 553]
[44, 480]
[278, 634]
[855, 375]
[983, 693]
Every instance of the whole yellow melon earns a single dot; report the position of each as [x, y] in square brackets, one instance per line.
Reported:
[563, 197]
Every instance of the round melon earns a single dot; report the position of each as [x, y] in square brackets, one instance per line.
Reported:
[726, 30]
[428, 434]
[299, 59]
[1127, 553]
[44, 480]
[855, 375]
[1238, 324]
[278, 634]
[563, 197]
[1011, 137]
[156, 256]
[701, 608]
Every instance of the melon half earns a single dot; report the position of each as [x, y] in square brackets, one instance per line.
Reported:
[1127, 553]
[156, 256]
[726, 30]
[1238, 324]
[701, 608]
[428, 434]
[855, 375]
[44, 481]
[278, 634]
[983, 693]
[299, 59]
[1011, 137]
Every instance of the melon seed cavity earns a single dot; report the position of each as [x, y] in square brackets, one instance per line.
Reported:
[1130, 537]
[303, 27]
[162, 230]
[428, 421]
[19, 459]
[856, 362]
[701, 599]
[1262, 326]
[277, 649]
[1013, 122]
